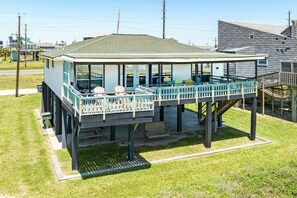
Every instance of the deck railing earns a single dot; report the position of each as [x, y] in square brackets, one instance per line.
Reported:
[109, 104]
[201, 91]
[278, 78]
[288, 78]
[143, 98]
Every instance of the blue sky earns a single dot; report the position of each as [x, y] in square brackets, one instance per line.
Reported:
[188, 21]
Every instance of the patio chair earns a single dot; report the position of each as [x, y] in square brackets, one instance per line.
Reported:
[167, 80]
[178, 81]
[99, 91]
[120, 90]
[189, 82]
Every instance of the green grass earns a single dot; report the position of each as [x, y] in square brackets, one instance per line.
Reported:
[26, 81]
[262, 171]
[107, 156]
[6, 65]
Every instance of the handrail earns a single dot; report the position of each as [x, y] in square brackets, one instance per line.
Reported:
[143, 99]
[288, 78]
[278, 78]
[108, 104]
[202, 91]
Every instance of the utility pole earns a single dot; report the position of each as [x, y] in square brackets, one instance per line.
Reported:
[289, 23]
[119, 16]
[25, 45]
[19, 56]
[216, 42]
[164, 17]
[289, 18]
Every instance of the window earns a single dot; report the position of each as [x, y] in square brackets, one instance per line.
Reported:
[66, 72]
[155, 74]
[129, 75]
[88, 77]
[142, 70]
[286, 67]
[251, 36]
[166, 72]
[263, 62]
[82, 77]
[294, 67]
[96, 76]
[47, 63]
[53, 64]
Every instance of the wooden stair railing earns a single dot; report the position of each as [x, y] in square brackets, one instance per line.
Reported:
[220, 110]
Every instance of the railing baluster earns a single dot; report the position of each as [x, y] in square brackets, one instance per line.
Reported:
[133, 106]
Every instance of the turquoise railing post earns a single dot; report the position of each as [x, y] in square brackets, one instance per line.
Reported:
[160, 96]
[212, 92]
[242, 90]
[196, 93]
[104, 106]
[228, 91]
[133, 105]
[178, 95]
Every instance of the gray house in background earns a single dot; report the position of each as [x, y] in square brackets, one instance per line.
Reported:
[278, 43]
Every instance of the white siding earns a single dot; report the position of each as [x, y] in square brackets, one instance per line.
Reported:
[182, 71]
[53, 77]
[218, 69]
[111, 77]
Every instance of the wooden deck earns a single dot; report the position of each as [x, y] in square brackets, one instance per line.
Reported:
[278, 78]
[108, 107]
[176, 95]
[138, 107]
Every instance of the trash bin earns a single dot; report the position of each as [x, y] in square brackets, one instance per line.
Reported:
[47, 118]
[39, 88]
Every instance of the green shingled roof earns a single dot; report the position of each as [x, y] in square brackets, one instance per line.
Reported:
[134, 46]
[116, 44]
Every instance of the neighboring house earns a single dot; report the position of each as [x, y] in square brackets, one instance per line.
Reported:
[93, 35]
[32, 51]
[140, 74]
[278, 71]
[45, 47]
[1, 44]
[278, 43]
[60, 44]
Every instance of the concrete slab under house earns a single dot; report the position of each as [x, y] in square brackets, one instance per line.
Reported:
[127, 80]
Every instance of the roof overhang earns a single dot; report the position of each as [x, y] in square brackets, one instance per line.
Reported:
[234, 58]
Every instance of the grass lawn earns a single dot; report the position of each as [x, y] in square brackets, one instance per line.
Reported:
[108, 156]
[6, 65]
[267, 171]
[26, 81]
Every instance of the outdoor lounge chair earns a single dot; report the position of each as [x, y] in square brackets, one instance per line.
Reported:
[189, 82]
[178, 81]
[120, 90]
[167, 80]
[99, 91]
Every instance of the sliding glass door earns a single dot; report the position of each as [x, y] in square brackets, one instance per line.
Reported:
[135, 75]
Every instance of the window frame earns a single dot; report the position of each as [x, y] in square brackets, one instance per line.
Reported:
[261, 64]
[89, 79]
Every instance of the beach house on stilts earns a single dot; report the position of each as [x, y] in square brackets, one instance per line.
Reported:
[122, 79]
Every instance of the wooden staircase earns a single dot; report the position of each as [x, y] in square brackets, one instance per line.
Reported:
[219, 110]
